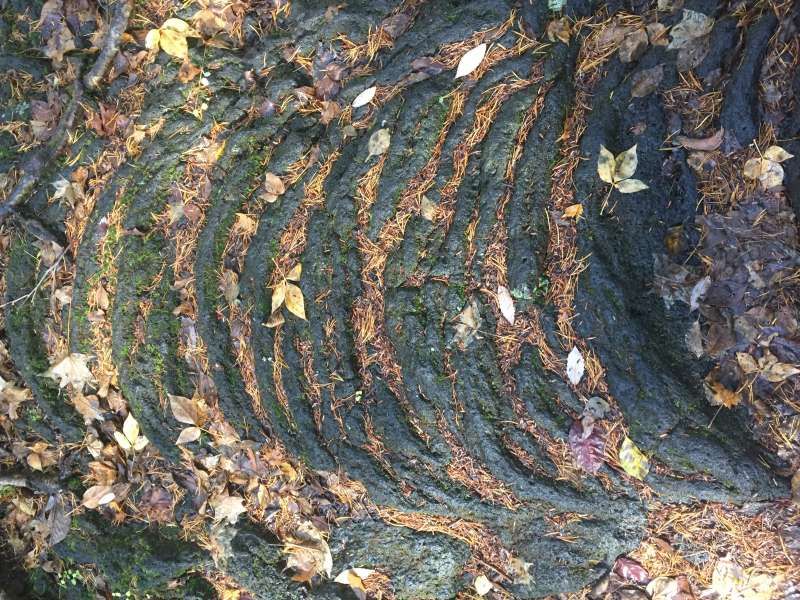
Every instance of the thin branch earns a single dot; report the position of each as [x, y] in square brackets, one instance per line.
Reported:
[119, 23]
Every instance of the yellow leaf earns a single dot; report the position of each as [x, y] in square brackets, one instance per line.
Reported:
[151, 41]
[294, 300]
[178, 26]
[573, 212]
[629, 186]
[275, 319]
[130, 428]
[633, 460]
[174, 43]
[294, 274]
[777, 154]
[755, 167]
[278, 296]
[625, 164]
[606, 166]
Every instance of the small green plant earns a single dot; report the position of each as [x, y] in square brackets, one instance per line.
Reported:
[69, 578]
[540, 290]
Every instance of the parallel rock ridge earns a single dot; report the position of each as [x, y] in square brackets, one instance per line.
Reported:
[406, 417]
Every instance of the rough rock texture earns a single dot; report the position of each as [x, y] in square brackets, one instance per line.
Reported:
[428, 417]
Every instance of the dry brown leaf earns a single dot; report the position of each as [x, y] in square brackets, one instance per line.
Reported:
[72, 370]
[295, 272]
[274, 184]
[278, 296]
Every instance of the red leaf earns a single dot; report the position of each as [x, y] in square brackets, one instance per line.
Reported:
[588, 446]
[631, 570]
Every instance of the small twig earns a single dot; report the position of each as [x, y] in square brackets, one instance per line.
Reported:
[33, 168]
[50, 270]
[118, 25]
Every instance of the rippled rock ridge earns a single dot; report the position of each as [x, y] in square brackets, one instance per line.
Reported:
[425, 434]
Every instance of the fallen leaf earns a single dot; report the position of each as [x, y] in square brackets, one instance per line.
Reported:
[657, 34]
[186, 410]
[559, 29]
[693, 25]
[698, 292]
[364, 97]
[606, 165]
[575, 366]
[777, 154]
[506, 304]
[670, 588]
[55, 31]
[777, 372]
[427, 209]
[379, 142]
[294, 300]
[630, 186]
[72, 370]
[632, 460]
[470, 61]
[707, 144]
[274, 184]
[587, 445]
[97, 495]
[618, 170]
[646, 81]
[295, 272]
[278, 296]
[633, 45]
[596, 407]
[227, 508]
[308, 553]
[631, 570]
[573, 211]
[188, 71]
[467, 326]
[188, 434]
[355, 579]
[482, 585]
[130, 439]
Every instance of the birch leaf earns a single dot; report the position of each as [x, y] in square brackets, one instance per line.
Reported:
[777, 154]
[633, 460]
[364, 97]
[470, 61]
[506, 303]
[294, 274]
[130, 428]
[173, 43]
[629, 186]
[575, 366]
[188, 434]
[605, 165]
[379, 142]
[294, 300]
[152, 39]
[482, 585]
[278, 296]
[625, 163]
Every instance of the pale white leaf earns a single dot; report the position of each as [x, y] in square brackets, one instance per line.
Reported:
[470, 61]
[506, 303]
[575, 366]
[629, 186]
[364, 97]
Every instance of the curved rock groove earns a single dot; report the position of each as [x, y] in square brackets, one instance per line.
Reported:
[463, 451]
